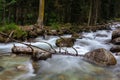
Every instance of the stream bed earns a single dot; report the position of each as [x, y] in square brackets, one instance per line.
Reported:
[63, 67]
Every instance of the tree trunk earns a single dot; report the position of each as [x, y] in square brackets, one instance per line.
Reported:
[41, 13]
[93, 13]
[90, 12]
[96, 12]
[4, 13]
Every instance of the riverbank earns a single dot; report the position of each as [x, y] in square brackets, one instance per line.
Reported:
[28, 32]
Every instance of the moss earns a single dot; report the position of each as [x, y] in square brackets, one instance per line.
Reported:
[8, 28]
[19, 33]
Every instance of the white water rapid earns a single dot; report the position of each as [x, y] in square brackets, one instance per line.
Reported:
[63, 67]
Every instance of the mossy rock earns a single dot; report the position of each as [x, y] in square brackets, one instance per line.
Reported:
[76, 35]
[65, 42]
[2, 39]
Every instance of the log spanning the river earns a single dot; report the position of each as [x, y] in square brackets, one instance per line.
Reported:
[36, 54]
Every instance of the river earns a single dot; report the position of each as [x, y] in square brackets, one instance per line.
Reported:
[63, 67]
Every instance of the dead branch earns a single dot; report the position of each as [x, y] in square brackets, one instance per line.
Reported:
[9, 36]
[75, 51]
[49, 45]
[23, 42]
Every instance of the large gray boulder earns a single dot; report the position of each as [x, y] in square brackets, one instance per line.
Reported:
[100, 57]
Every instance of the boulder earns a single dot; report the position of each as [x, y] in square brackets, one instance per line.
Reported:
[1, 68]
[115, 34]
[76, 35]
[21, 67]
[100, 57]
[65, 42]
[116, 41]
[115, 49]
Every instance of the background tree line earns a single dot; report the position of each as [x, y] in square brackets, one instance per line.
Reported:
[83, 12]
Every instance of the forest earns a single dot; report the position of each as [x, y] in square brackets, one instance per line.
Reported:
[80, 12]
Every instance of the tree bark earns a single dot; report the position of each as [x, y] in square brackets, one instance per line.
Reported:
[90, 12]
[96, 12]
[41, 13]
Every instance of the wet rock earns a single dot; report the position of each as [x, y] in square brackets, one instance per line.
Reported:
[100, 57]
[101, 35]
[115, 34]
[65, 42]
[116, 41]
[21, 68]
[32, 34]
[115, 49]
[76, 35]
[1, 68]
[117, 54]
[36, 66]
[42, 55]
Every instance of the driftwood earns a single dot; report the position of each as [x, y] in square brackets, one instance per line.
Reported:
[9, 36]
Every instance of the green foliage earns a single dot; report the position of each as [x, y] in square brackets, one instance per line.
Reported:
[8, 27]
[55, 26]
[18, 32]
[117, 19]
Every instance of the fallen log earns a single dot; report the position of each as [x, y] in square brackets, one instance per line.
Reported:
[29, 45]
[36, 54]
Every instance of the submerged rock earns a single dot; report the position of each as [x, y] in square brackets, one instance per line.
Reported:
[21, 68]
[100, 57]
[9, 65]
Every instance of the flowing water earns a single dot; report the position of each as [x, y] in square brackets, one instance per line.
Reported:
[63, 67]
